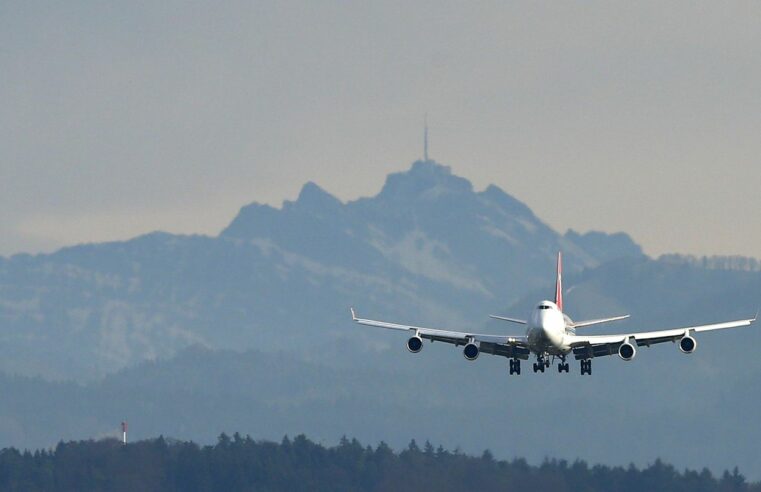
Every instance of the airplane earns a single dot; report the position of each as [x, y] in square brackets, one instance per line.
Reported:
[551, 334]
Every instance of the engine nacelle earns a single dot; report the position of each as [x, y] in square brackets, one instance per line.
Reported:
[627, 351]
[687, 344]
[471, 351]
[415, 344]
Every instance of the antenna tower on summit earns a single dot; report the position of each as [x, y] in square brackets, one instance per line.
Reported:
[425, 138]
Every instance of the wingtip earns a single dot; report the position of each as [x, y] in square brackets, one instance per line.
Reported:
[353, 315]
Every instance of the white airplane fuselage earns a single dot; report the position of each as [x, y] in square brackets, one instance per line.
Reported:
[547, 330]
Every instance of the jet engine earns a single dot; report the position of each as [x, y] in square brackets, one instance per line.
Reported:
[627, 351]
[470, 351]
[415, 344]
[687, 344]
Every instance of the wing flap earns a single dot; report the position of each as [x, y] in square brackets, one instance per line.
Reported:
[509, 351]
[591, 351]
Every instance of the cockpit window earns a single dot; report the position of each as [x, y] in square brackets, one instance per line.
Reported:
[543, 306]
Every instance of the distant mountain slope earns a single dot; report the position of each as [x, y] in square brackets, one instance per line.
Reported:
[427, 248]
[660, 292]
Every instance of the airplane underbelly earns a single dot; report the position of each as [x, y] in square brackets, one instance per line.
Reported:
[540, 342]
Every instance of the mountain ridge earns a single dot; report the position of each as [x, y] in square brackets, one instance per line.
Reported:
[426, 248]
[267, 303]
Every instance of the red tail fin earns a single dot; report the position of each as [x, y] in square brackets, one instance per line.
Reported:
[559, 283]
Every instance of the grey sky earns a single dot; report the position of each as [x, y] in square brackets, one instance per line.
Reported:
[122, 118]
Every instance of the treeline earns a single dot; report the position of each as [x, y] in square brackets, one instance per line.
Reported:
[241, 463]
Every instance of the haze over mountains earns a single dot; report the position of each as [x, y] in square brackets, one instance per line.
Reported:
[249, 331]
[426, 247]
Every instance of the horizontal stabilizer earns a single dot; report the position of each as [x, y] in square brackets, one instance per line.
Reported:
[511, 320]
[590, 322]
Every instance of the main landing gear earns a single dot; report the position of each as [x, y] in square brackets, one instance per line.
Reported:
[541, 364]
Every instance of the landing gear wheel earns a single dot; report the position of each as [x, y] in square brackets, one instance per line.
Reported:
[563, 367]
[541, 363]
[586, 367]
[515, 366]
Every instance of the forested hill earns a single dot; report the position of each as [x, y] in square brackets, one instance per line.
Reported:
[240, 463]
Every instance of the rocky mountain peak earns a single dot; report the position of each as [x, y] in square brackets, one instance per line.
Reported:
[423, 176]
[312, 195]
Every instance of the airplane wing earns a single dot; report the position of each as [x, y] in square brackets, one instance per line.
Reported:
[590, 322]
[507, 346]
[600, 345]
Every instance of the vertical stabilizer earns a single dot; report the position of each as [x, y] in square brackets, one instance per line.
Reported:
[559, 283]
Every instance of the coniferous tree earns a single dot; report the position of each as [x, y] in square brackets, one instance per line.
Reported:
[241, 463]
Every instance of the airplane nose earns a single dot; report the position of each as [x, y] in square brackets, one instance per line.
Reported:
[543, 324]
[545, 329]
[548, 332]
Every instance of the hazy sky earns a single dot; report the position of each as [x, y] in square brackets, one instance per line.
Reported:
[119, 118]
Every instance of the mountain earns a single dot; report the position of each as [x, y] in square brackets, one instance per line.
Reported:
[427, 248]
[249, 331]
